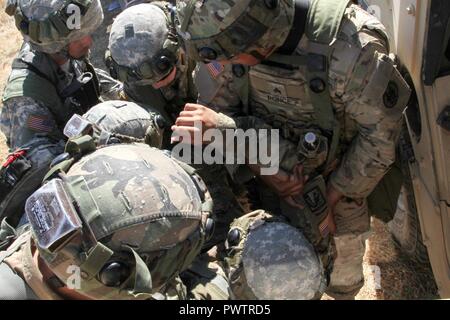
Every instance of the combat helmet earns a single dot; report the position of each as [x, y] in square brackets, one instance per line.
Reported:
[218, 30]
[116, 121]
[143, 45]
[50, 25]
[127, 215]
[268, 259]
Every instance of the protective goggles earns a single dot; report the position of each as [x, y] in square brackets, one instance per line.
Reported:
[147, 73]
[53, 217]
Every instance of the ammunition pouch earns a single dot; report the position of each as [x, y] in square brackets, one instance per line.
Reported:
[310, 217]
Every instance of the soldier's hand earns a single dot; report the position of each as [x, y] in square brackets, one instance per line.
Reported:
[193, 120]
[333, 197]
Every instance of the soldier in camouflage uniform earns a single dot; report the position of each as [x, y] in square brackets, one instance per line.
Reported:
[51, 80]
[319, 71]
[144, 53]
[125, 222]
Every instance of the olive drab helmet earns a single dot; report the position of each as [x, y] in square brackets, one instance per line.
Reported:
[50, 25]
[218, 30]
[143, 44]
[268, 259]
[127, 215]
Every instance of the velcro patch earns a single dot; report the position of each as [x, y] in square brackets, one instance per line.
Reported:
[324, 228]
[215, 68]
[40, 123]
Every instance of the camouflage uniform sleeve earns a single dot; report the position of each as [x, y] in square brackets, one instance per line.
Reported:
[23, 119]
[373, 99]
[206, 280]
[26, 123]
[221, 92]
[216, 88]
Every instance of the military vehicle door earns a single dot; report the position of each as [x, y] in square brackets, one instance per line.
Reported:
[420, 33]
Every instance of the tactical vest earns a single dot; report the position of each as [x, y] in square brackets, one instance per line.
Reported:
[290, 90]
[35, 75]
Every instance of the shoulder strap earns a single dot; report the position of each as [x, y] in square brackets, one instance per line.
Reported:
[324, 20]
[298, 28]
[20, 64]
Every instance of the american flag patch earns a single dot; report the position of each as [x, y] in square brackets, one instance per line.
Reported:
[323, 228]
[215, 68]
[40, 123]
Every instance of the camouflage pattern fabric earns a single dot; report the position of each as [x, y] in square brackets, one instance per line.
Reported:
[137, 34]
[269, 259]
[226, 205]
[368, 96]
[124, 120]
[359, 75]
[158, 217]
[30, 123]
[258, 27]
[169, 101]
[207, 282]
[51, 41]
[24, 119]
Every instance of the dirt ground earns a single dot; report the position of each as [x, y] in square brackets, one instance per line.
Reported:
[388, 273]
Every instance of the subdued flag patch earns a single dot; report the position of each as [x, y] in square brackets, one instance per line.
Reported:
[324, 229]
[215, 68]
[40, 123]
